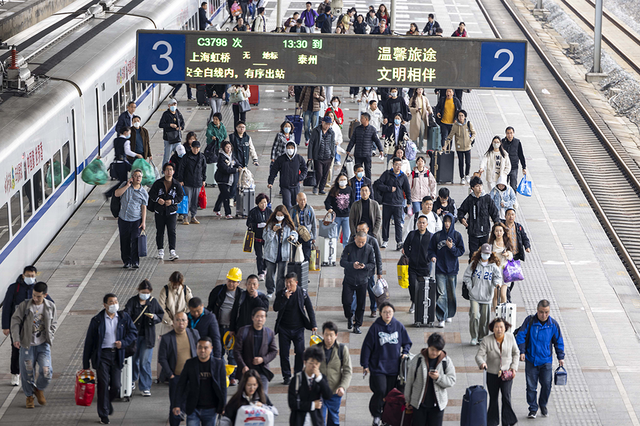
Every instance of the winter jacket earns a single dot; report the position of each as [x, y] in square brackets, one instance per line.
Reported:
[168, 350]
[508, 197]
[376, 118]
[387, 181]
[523, 242]
[422, 184]
[168, 118]
[383, 345]
[300, 402]
[337, 114]
[243, 149]
[447, 258]
[480, 210]
[440, 108]
[207, 325]
[216, 135]
[304, 304]
[337, 371]
[363, 139]
[17, 293]
[280, 144]
[246, 307]
[430, 28]
[217, 297]
[22, 322]
[219, 90]
[498, 359]
[125, 332]
[292, 170]
[188, 389]
[516, 155]
[482, 280]
[373, 242]
[365, 98]
[375, 213]
[417, 251]
[457, 33]
[146, 145]
[308, 219]
[377, 30]
[320, 148]
[245, 352]
[324, 22]
[193, 170]
[541, 338]
[495, 166]
[255, 218]
[145, 325]
[159, 191]
[259, 25]
[450, 208]
[309, 17]
[227, 167]
[173, 301]
[418, 377]
[339, 203]
[318, 96]
[464, 134]
[365, 255]
[373, 22]
[271, 243]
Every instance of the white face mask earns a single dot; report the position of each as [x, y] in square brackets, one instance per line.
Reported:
[136, 124]
[290, 151]
[394, 94]
[342, 183]
[30, 280]
[335, 104]
[114, 308]
[485, 256]
[144, 296]
[279, 218]
[496, 145]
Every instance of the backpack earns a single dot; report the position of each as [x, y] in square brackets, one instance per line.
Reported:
[529, 320]
[211, 154]
[245, 179]
[253, 24]
[411, 150]
[114, 205]
[377, 194]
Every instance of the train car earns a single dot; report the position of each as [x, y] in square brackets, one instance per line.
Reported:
[75, 75]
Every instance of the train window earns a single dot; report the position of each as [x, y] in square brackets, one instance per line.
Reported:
[16, 216]
[4, 225]
[123, 108]
[27, 200]
[127, 88]
[109, 123]
[48, 188]
[139, 89]
[37, 189]
[105, 122]
[133, 90]
[57, 169]
[116, 105]
[66, 160]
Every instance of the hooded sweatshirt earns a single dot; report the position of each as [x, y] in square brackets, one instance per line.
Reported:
[383, 345]
[480, 210]
[447, 258]
[482, 280]
[292, 168]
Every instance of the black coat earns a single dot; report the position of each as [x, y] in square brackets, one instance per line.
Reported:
[390, 133]
[241, 149]
[225, 172]
[440, 107]
[247, 306]
[17, 293]
[387, 181]
[523, 242]
[304, 304]
[159, 191]
[394, 106]
[300, 401]
[418, 259]
[167, 120]
[365, 255]
[480, 210]
[126, 333]
[364, 139]
[207, 325]
[168, 352]
[255, 217]
[216, 299]
[292, 170]
[516, 155]
[193, 169]
[189, 384]
[431, 27]
[123, 121]
[316, 144]
[145, 324]
[202, 19]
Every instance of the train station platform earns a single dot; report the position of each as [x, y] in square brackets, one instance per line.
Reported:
[572, 264]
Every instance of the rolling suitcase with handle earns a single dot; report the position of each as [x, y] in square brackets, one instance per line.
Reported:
[302, 271]
[328, 248]
[474, 405]
[254, 99]
[507, 311]
[126, 379]
[425, 299]
[245, 201]
[442, 166]
[298, 122]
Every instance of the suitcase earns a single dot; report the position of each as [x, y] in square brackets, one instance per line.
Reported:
[442, 166]
[352, 127]
[425, 297]
[298, 123]
[254, 99]
[328, 250]
[434, 139]
[302, 271]
[245, 201]
[201, 95]
[126, 379]
[474, 405]
[394, 413]
[508, 312]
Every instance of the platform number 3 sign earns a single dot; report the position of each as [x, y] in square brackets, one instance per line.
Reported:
[163, 58]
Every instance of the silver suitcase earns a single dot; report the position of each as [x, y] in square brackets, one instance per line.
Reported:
[328, 248]
[126, 379]
[508, 312]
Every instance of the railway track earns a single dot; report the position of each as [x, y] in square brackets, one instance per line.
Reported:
[606, 173]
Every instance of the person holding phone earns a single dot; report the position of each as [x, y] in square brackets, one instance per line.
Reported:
[132, 218]
[146, 312]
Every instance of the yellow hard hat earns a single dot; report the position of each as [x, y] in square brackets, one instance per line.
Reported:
[234, 274]
[315, 339]
[229, 369]
[228, 340]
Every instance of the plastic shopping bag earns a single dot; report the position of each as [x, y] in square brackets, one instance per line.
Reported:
[524, 187]
[403, 271]
[202, 198]
[183, 207]
[148, 172]
[95, 173]
[512, 272]
[85, 387]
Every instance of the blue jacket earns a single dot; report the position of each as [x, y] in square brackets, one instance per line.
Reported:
[541, 337]
[125, 333]
[383, 345]
[447, 258]
[17, 293]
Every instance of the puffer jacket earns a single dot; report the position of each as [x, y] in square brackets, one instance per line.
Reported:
[271, 243]
[322, 148]
[418, 376]
[464, 133]
[387, 181]
[363, 139]
[422, 184]
[193, 170]
[480, 210]
[482, 280]
[306, 94]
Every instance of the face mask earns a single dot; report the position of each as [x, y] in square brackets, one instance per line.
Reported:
[397, 121]
[496, 145]
[394, 94]
[290, 151]
[368, 88]
[173, 108]
[144, 296]
[335, 104]
[287, 130]
[360, 174]
[29, 280]
[113, 308]
[342, 184]
[136, 124]
[485, 256]
[279, 218]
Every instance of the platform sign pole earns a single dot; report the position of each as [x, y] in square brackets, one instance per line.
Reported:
[392, 15]
[279, 14]
[597, 39]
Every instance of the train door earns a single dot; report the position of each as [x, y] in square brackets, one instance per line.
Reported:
[99, 133]
[74, 148]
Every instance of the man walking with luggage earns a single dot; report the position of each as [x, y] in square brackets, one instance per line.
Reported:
[513, 146]
[359, 262]
[292, 169]
[322, 150]
[416, 248]
[537, 335]
[392, 184]
[192, 174]
[33, 326]
[303, 215]
[364, 138]
[480, 208]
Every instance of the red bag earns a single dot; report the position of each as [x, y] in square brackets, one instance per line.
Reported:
[394, 413]
[85, 387]
[202, 198]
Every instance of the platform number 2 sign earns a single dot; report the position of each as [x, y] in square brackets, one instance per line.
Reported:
[164, 58]
[503, 65]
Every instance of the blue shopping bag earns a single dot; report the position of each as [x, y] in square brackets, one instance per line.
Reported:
[524, 187]
[183, 207]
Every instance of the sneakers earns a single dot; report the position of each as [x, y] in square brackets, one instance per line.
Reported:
[195, 221]
[186, 220]
[399, 246]
[40, 396]
[474, 342]
[440, 324]
[412, 309]
[449, 319]
[15, 380]
[385, 244]
[463, 181]
[127, 266]
[315, 191]
[30, 403]
[173, 255]
[160, 254]
[356, 330]
[229, 216]
[374, 313]
[532, 415]
[104, 420]
[544, 411]
[135, 266]
[260, 277]
[218, 214]
[145, 393]
[376, 421]
[323, 193]
[269, 295]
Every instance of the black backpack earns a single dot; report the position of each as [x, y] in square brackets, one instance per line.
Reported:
[115, 206]
[210, 153]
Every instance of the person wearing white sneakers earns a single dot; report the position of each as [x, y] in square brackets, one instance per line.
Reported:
[164, 197]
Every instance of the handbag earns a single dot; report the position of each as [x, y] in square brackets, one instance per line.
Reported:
[524, 187]
[249, 238]
[298, 256]
[236, 97]
[142, 244]
[314, 258]
[328, 228]
[236, 10]
[403, 271]
[465, 291]
[174, 136]
[349, 167]
[432, 121]
[244, 106]
[303, 232]
[379, 287]
[560, 377]
[512, 272]
[310, 180]
[506, 375]
[202, 198]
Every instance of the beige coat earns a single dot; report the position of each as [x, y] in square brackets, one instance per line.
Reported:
[495, 166]
[417, 380]
[464, 135]
[489, 353]
[419, 117]
[172, 302]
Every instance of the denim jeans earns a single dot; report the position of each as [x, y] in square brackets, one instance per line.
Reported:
[311, 119]
[204, 417]
[169, 148]
[40, 355]
[543, 374]
[333, 406]
[343, 222]
[142, 364]
[447, 303]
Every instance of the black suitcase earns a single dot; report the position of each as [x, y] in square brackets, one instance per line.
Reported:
[442, 165]
[201, 95]
[425, 301]
[245, 201]
[474, 405]
[302, 271]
